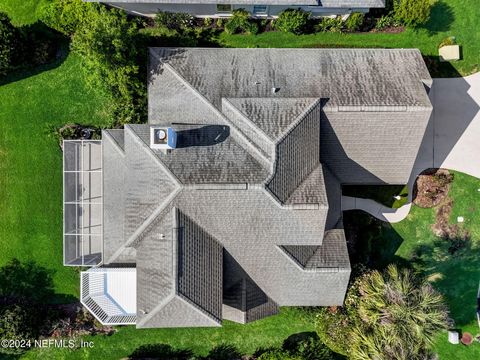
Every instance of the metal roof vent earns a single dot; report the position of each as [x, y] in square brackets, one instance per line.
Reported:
[163, 138]
[275, 90]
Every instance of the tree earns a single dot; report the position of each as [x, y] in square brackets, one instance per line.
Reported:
[399, 316]
[108, 44]
[67, 16]
[18, 322]
[8, 34]
[412, 12]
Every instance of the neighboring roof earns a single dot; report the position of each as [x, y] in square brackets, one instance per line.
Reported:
[324, 3]
[346, 77]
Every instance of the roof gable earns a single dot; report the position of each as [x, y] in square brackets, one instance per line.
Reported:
[273, 116]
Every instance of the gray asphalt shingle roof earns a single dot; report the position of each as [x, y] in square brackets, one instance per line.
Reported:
[256, 175]
[347, 77]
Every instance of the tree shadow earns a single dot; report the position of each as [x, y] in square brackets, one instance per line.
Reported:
[29, 283]
[453, 272]
[160, 352]
[441, 18]
[42, 49]
[223, 352]
[455, 275]
[371, 243]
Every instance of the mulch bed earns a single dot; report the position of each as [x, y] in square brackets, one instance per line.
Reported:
[431, 187]
[431, 190]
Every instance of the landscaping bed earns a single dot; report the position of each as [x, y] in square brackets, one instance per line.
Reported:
[431, 187]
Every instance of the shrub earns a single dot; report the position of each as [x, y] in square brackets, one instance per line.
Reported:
[386, 21]
[448, 41]
[67, 16]
[207, 21]
[18, 322]
[174, 21]
[8, 35]
[293, 21]
[412, 12]
[329, 24]
[109, 47]
[354, 21]
[220, 22]
[278, 354]
[311, 348]
[240, 22]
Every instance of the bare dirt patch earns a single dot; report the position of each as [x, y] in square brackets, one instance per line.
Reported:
[431, 187]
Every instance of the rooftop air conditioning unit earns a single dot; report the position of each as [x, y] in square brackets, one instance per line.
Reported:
[163, 138]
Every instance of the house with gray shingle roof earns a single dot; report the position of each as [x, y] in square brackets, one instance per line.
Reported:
[226, 205]
[224, 8]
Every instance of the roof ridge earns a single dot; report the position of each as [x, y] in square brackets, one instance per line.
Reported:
[245, 116]
[244, 143]
[146, 146]
[158, 209]
[299, 118]
[115, 143]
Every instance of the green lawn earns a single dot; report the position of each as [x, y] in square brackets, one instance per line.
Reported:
[457, 18]
[22, 12]
[456, 276]
[31, 193]
[247, 338]
[412, 243]
[31, 164]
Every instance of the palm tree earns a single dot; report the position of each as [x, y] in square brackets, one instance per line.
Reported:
[400, 316]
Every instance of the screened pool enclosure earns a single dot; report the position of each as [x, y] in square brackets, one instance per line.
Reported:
[82, 202]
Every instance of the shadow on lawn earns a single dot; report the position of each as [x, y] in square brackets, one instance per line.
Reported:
[455, 275]
[29, 282]
[441, 18]
[373, 244]
[41, 49]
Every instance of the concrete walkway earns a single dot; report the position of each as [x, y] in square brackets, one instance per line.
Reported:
[451, 141]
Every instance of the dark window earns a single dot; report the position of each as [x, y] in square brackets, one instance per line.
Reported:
[224, 8]
[260, 9]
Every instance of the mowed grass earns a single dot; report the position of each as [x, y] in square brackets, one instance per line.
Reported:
[457, 18]
[264, 333]
[456, 276]
[31, 164]
[22, 12]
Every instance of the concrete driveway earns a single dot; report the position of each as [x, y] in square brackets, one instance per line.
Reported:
[451, 141]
